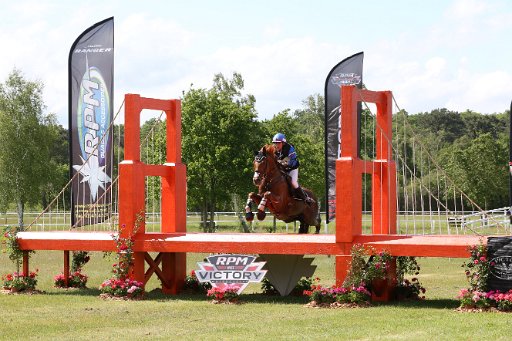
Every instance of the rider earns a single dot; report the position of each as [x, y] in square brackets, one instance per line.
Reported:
[287, 157]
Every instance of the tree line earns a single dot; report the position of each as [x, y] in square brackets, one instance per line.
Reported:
[221, 132]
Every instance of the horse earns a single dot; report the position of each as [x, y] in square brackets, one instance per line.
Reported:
[275, 193]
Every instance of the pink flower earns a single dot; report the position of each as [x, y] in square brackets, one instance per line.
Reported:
[132, 289]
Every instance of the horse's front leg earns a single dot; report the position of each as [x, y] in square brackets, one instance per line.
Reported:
[263, 204]
[253, 197]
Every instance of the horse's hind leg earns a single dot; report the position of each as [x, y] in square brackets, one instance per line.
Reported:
[304, 228]
[317, 229]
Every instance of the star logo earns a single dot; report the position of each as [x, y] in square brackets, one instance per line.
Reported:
[94, 174]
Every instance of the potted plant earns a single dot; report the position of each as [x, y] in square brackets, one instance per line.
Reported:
[408, 289]
[377, 273]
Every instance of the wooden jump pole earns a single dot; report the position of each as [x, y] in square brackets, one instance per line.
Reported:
[132, 173]
[350, 169]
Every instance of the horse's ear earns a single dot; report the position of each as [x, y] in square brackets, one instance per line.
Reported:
[264, 150]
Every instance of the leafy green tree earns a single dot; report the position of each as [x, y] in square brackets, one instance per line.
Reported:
[311, 118]
[480, 169]
[283, 122]
[26, 139]
[58, 169]
[477, 124]
[219, 136]
[445, 124]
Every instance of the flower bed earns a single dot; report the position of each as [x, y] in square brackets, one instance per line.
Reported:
[75, 280]
[477, 297]
[335, 297]
[485, 301]
[225, 295]
[121, 289]
[17, 282]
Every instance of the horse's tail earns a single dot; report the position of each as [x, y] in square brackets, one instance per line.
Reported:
[318, 217]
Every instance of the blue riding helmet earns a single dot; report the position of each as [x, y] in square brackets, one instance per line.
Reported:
[279, 137]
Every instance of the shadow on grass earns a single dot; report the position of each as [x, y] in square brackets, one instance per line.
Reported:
[157, 295]
[436, 303]
[258, 298]
[74, 292]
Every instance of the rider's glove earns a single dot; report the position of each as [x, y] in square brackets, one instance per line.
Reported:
[283, 162]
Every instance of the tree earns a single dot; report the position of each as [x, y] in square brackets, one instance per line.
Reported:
[26, 139]
[58, 169]
[447, 125]
[219, 135]
[479, 168]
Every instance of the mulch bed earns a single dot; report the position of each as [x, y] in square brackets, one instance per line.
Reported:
[108, 297]
[225, 302]
[480, 310]
[337, 305]
[70, 288]
[22, 292]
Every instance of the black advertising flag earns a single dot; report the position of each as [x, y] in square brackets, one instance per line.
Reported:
[347, 72]
[91, 84]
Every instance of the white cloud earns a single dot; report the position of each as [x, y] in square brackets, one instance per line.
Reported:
[441, 61]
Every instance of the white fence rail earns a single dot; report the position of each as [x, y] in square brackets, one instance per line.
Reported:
[490, 222]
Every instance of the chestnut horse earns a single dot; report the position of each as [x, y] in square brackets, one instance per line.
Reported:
[275, 193]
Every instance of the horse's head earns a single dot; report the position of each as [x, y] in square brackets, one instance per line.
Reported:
[264, 163]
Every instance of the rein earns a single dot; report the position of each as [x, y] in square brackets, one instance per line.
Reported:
[266, 185]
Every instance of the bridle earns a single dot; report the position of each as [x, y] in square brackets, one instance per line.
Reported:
[259, 158]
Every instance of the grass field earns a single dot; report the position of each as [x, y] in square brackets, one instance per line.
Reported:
[81, 315]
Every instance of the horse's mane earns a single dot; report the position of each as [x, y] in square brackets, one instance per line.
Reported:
[267, 151]
[270, 149]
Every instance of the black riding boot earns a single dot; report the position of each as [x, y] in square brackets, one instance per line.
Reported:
[301, 194]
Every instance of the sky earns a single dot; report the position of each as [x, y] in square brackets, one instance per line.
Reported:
[453, 54]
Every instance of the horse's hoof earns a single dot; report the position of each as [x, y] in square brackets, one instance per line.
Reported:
[261, 215]
[249, 216]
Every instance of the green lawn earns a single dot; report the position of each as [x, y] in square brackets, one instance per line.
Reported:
[82, 315]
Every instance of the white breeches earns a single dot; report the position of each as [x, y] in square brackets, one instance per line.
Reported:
[294, 175]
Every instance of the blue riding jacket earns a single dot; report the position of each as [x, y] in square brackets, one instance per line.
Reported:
[288, 151]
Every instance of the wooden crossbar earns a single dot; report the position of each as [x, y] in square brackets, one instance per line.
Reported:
[254, 243]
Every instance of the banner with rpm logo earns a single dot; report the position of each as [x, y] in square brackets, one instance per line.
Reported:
[91, 83]
[347, 72]
[230, 271]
